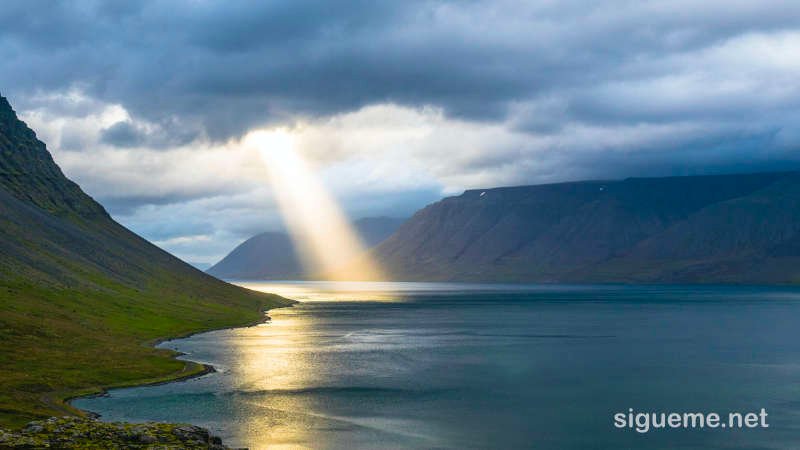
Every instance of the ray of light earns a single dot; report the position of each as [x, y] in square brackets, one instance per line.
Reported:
[329, 247]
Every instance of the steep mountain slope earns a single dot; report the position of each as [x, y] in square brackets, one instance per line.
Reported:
[731, 228]
[273, 256]
[80, 294]
[269, 255]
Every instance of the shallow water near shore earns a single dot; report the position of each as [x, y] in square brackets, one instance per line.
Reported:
[443, 365]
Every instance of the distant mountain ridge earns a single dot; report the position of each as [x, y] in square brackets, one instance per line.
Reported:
[273, 256]
[698, 229]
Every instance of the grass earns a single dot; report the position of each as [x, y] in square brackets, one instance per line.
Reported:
[58, 343]
[83, 299]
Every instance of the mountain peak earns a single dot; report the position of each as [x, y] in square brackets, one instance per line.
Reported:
[29, 173]
[10, 123]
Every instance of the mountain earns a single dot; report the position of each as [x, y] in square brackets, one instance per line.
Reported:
[273, 256]
[80, 294]
[699, 229]
[269, 255]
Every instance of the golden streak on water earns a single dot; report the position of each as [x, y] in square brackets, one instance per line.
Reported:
[272, 361]
[329, 247]
[276, 362]
[332, 291]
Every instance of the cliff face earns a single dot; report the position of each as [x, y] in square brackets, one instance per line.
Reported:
[80, 294]
[27, 171]
[731, 228]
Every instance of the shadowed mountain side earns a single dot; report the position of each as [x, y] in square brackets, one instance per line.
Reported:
[80, 294]
[269, 255]
[273, 255]
[728, 228]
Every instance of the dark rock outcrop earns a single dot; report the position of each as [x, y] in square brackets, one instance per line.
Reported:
[79, 433]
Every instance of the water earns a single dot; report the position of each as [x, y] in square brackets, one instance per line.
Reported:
[413, 365]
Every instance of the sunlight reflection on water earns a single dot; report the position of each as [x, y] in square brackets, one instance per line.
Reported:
[284, 371]
[328, 291]
[381, 291]
[438, 365]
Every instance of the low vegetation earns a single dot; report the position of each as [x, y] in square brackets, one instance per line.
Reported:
[82, 299]
[59, 343]
[72, 432]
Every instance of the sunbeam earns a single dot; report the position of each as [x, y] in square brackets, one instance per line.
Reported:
[329, 247]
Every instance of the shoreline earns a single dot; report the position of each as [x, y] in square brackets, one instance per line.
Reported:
[191, 370]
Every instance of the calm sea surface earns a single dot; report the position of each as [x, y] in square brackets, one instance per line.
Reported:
[430, 365]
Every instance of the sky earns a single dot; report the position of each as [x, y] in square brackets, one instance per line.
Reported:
[393, 103]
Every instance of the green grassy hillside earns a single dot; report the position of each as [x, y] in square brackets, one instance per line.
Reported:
[82, 299]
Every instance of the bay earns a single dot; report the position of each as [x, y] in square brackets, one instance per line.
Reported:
[448, 365]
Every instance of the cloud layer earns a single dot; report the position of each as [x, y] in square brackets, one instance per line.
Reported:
[145, 102]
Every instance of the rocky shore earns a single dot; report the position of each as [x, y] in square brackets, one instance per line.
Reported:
[85, 433]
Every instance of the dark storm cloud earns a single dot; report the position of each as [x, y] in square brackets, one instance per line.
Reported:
[123, 134]
[227, 66]
[126, 133]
